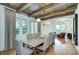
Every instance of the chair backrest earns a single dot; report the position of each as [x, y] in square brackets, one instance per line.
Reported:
[48, 41]
[53, 36]
[31, 36]
[18, 46]
[69, 35]
[20, 50]
[36, 35]
[50, 38]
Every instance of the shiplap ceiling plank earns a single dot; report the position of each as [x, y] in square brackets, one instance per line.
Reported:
[71, 11]
[54, 9]
[42, 8]
[22, 7]
[45, 11]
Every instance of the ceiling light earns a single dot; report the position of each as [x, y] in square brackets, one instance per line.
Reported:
[38, 20]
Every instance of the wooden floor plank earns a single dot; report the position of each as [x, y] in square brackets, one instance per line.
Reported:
[61, 47]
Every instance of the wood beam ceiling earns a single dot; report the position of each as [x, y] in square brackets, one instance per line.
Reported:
[20, 8]
[58, 10]
[57, 13]
[64, 13]
[7, 4]
[42, 8]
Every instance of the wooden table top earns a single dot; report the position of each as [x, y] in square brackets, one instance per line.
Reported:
[34, 42]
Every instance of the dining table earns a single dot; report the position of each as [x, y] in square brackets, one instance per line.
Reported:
[33, 43]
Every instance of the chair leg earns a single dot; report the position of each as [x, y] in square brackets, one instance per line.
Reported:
[44, 52]
[34, 52]
[41, 52]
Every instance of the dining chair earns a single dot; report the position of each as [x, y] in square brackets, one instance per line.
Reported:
[53, 37]
[30, 36]
[20, 50]
[36, 35]
[45, 46]
[33, 36]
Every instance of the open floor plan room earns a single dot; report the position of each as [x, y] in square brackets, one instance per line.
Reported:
[39, 29]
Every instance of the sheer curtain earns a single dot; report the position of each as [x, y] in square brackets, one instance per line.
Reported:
[10, 28]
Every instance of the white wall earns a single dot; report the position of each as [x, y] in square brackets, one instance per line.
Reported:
[68, 20]
[46, 28]
[2, 28]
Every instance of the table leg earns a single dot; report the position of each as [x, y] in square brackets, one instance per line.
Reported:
[34, 51]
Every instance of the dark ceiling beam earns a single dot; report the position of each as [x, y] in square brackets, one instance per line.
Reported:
[22, 7]
[60, 15]
[17, 10]
[58, 10]
[7, 5]
[42, 8]
[65, 13]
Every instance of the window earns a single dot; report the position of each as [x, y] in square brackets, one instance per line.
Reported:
[34, 27]
[21, 26]
[24, 27]
[60, 28]
[17, 26]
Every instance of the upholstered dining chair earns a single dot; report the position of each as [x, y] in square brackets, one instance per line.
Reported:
[33, 36]
[30, 36]
[20, 50]
[45, 46]
[53, 37]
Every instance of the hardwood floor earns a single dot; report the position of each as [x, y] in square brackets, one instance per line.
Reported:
[8, 52]
[61, 47]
